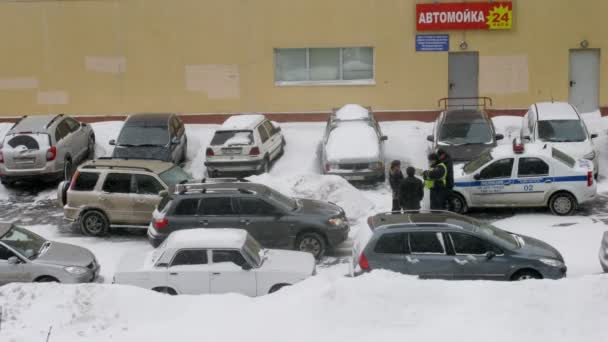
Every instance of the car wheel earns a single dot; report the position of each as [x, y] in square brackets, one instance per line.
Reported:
[165, 290]
[526, 275]
[312, 243]
[6, 182]
[63, 192]
[277, 287]
[94, 223]
[46, 279]
[562, 204]
[67, 170]
[458, 204]
[91, 148]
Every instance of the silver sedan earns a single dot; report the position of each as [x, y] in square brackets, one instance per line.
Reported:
[28, 257]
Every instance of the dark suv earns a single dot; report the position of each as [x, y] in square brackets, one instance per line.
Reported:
[275, 220]
[159, 136]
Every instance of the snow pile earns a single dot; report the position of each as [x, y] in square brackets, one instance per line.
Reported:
[352, 141]
[380, 306]
[352, 112]
[104, 132]
[321, 187]
[241, 121]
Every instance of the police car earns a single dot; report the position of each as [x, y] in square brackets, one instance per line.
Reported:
[518, 175]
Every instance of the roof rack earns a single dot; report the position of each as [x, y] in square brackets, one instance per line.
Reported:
[18, 121]
[112, 167]
[421, 211]
[207, 187]
[53, 120]
[224, 180]
[476, 102]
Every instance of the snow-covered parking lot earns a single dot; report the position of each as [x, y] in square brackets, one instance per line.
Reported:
[377, 306]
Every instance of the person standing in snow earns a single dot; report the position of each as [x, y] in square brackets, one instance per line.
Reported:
[445, 158]
[395, 176]
[435, 180]
[411, 191]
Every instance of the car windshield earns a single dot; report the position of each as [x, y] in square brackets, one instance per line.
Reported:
[498, 234]
[475, 164]
[285, 200]
[561, 131]
[254, 250]
[232, 138]
[23, 241]
[461, 133]
[131, 135]
[174, 175]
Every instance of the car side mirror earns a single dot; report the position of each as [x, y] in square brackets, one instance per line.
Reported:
[83, 124]
[490, 255]
[526, 137]
[175, 141]
[163, 193]
[112, 142]
[277, 129]
[594, 135]
[499, 136]
[13, 260]
[477, 176]
[383, 138]
[430, 138]
[246, 266]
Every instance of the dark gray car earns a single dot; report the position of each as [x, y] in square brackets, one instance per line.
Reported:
[445, 245]
[275, 220]
[159, 136]
[464, 133]
[28, 257]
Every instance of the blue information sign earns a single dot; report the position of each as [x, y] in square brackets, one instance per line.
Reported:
[432, 42]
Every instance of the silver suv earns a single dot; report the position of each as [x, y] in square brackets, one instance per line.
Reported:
[117, 193]
[45, 147]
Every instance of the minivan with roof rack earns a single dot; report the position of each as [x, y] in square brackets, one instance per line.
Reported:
[445, 245]
[116, 193]
[245, 144]
[44, 148]
[560, 125]
[275, 220]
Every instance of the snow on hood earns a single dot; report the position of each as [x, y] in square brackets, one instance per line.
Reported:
[352, 112]
[329, 188]
[352, 140]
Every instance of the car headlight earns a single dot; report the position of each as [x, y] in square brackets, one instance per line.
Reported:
[337, 221]
[552, 262]
[590, 155]
[75, 270]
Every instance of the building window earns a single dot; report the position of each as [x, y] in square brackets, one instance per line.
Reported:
[324, 66]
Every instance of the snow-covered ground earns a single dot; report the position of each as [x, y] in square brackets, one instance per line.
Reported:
[379, 306]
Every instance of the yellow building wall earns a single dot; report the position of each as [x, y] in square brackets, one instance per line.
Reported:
[210, 56]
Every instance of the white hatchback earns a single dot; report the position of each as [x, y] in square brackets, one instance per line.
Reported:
[199, 261]
[559, 124]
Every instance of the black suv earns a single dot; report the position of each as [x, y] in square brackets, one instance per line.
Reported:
[159, 136]
[275, 220]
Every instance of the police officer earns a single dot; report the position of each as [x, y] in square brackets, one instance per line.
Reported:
[449, 182]
[435, 179]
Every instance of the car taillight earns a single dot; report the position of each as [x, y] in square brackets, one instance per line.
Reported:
[254, 151]
[73, 182]
[363, 262]
[51, 153]
[160, 223]
[209, 152]
[1, 157]
[589, 178]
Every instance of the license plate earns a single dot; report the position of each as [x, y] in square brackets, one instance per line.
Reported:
[25, 160]
[231, 150]
[354, 177]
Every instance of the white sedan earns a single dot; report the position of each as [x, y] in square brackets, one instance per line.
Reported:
[531, 175]
[198, 261]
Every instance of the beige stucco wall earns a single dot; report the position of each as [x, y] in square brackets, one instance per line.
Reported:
[210, 56]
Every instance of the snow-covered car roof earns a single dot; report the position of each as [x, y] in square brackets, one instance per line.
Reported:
[556, 111]
[352, 112]
[352, 140]
[242, 121]
[207, 238]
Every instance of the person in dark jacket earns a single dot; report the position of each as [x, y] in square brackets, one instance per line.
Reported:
[449, 181]
[411, 191]
[395, 176]
[435, 179]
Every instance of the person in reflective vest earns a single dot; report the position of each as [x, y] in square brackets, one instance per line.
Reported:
[435, 179]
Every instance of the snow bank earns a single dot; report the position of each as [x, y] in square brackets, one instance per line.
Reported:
[352, 141]
[352, 112]
[380, 306]
[321, 187]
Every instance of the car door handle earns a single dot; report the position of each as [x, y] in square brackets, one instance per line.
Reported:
[205, 222]
[461, 262]
[245, 221]
[412, 260]
[173, 273]
[216, 273]
[548, 180]
[101, 198]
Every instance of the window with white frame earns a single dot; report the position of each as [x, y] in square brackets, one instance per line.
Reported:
[353, 65]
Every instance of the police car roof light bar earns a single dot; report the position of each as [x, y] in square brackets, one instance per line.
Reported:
[477, 101]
